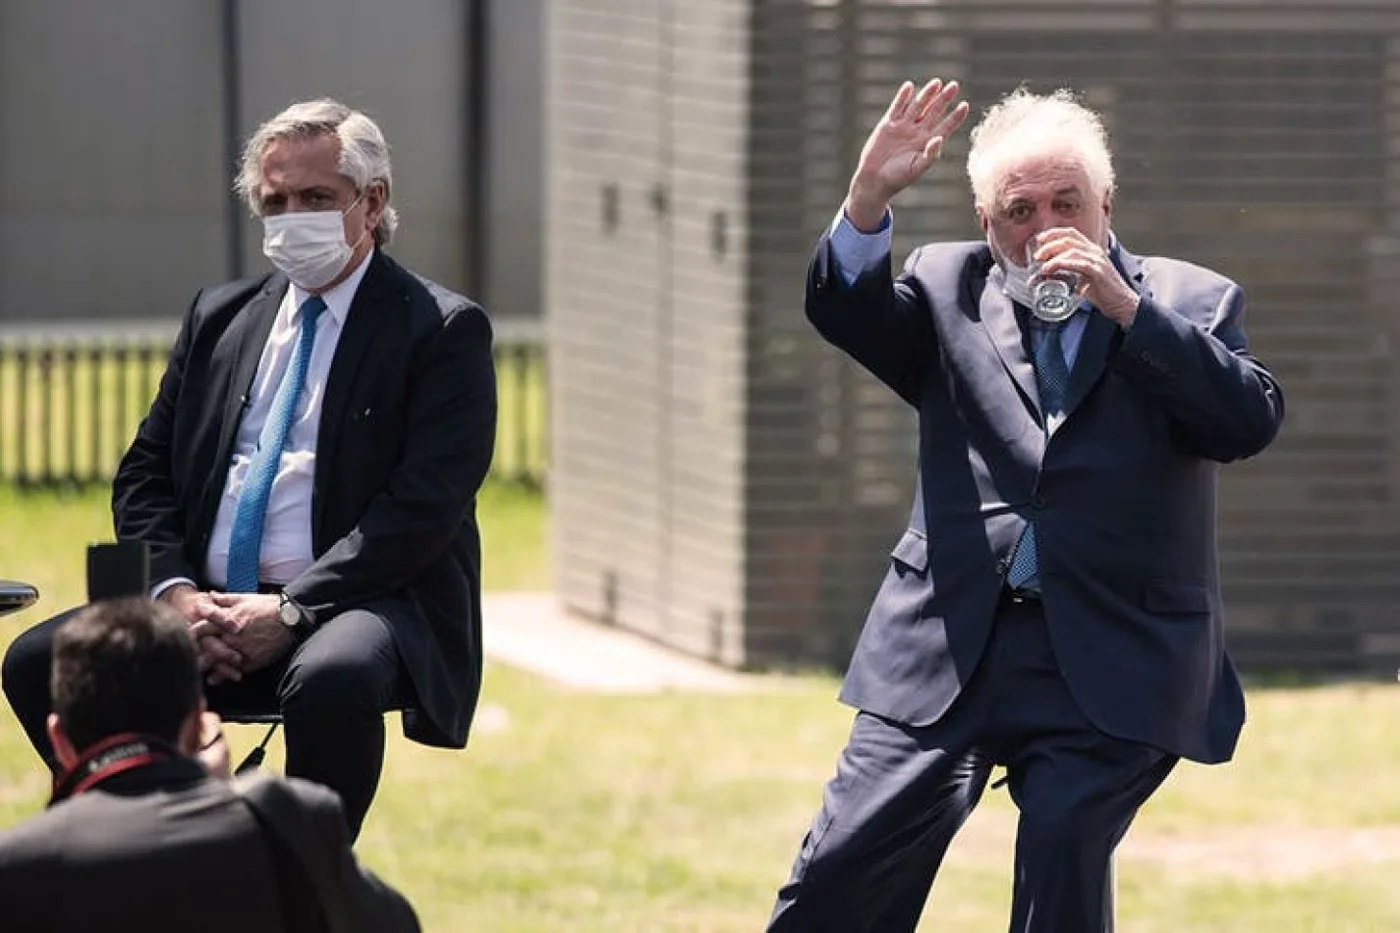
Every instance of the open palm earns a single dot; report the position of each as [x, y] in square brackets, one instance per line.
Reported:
[907, 140]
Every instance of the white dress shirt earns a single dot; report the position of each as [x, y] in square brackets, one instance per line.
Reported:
[286, 541]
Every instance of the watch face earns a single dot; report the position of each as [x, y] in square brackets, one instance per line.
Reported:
[290, 616]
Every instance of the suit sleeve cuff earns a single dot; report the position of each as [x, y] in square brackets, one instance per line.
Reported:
[164, 585]
[856, 253]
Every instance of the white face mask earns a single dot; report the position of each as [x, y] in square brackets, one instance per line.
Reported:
[309, 246]
[1016, 280]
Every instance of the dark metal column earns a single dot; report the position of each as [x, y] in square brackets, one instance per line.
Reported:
[232, 106]
[475, 190]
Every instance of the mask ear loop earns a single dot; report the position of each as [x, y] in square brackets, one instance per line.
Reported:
[356, 245]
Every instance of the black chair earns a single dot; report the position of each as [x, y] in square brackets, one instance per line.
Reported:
[118, 569]
[254, 759]
[15, 596]
[121, 569]
[247, 718]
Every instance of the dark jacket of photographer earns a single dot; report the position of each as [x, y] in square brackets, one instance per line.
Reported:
[164, 847]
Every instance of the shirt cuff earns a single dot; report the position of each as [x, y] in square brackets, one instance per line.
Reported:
[164, 585]
[856, 253]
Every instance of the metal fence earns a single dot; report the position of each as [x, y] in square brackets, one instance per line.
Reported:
[70, 401]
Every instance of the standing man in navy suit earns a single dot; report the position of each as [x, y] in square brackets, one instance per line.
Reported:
[1054, 606]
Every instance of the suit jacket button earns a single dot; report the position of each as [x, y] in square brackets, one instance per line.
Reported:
[1038, 501]
[1003, 565]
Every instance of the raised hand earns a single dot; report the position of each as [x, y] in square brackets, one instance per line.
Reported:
[902, 146]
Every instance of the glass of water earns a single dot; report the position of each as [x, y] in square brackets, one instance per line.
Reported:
[1054, 298]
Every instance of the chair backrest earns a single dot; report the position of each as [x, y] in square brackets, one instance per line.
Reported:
[252, 718]
[118, 569]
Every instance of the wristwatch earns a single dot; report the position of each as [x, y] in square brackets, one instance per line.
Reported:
[293, 616]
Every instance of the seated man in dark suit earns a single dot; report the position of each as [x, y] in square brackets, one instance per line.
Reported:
[307, 475]
[144, 831]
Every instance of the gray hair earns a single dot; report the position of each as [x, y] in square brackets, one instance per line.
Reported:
[364, 155]
[1024, 123]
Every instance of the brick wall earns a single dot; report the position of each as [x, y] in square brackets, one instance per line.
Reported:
[725, 481]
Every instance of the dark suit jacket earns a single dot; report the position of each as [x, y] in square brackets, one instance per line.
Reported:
[164, 847]
[1123, 493]
[406, 435]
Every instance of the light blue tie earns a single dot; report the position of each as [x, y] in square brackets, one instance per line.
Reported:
[245, 537]
[1052, 379]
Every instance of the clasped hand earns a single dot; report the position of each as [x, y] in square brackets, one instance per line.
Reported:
[234, 633]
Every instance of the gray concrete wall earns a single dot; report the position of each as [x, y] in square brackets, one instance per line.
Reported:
[647, 146]
[748, 516]
[115, 167]
[403, 63]
[111, 181]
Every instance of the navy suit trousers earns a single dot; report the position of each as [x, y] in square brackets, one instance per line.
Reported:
[901, 792]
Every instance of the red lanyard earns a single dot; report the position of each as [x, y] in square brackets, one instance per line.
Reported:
[108, 758]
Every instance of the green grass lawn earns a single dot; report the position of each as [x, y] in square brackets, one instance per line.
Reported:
[681, 812]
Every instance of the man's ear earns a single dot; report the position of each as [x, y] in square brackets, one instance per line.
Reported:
[63, 749]
[376, 199]
[983, 221]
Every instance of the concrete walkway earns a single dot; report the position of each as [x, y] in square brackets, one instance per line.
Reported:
[531, 631]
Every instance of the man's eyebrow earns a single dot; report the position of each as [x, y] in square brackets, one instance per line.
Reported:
[1068, 189]
[299, 192]
[1018, 200]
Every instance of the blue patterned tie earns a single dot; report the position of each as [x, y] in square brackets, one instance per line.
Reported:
[1052, 379]
[245, 537]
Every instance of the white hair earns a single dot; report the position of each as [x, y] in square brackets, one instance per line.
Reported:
[1025, 124]
[364, 155]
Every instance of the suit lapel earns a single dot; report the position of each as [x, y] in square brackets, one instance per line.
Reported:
[1098, 341]
[1091, 359]
[999, 322]
[249, 329]
[1131, 268]
[366, 315]
[248, 333]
